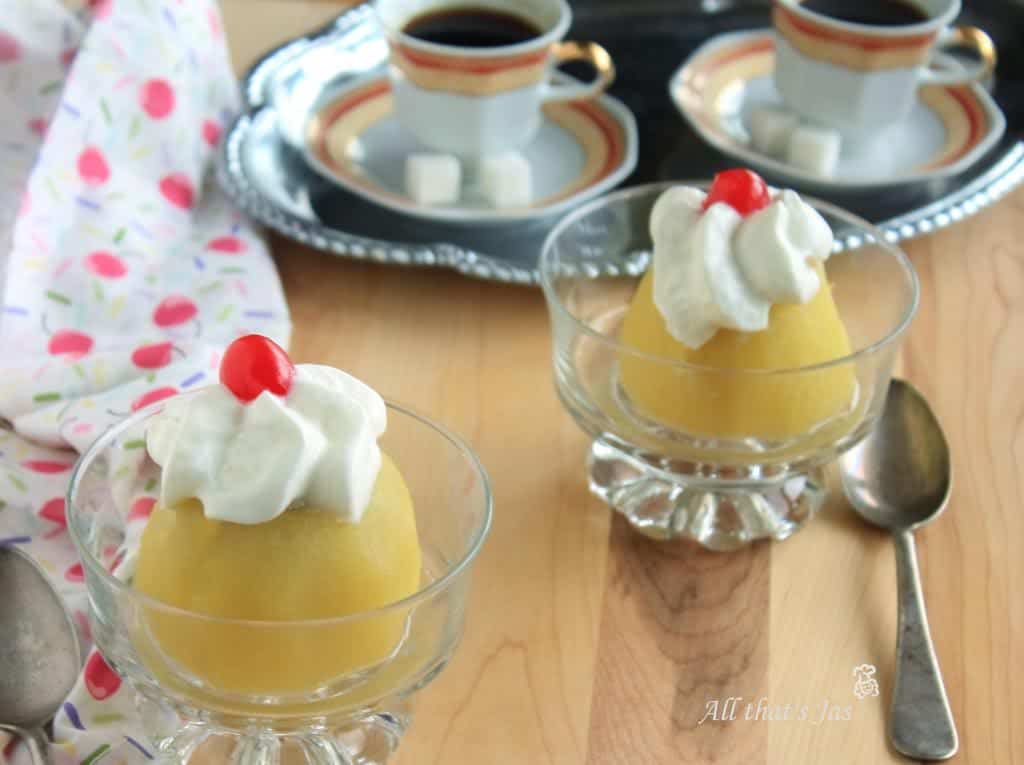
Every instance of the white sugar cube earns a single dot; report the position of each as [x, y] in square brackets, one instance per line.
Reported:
[505, 180]
[770, 129]
[433, 179]
[814, 149]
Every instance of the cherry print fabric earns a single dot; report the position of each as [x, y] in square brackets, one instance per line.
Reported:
[123, 274]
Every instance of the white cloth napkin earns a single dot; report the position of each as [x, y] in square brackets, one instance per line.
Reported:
[124, 271]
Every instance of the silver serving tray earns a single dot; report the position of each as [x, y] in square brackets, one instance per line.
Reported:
[263, 170]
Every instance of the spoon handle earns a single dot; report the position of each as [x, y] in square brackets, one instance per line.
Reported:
[920, 723]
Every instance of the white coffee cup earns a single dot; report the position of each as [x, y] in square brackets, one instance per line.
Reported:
[474, 101]
[860, 78]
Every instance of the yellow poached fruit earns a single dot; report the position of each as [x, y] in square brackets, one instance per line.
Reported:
[715, 403]
[306, 564]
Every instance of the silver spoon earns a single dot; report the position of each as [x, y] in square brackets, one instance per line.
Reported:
[39, 654]
[899, 478]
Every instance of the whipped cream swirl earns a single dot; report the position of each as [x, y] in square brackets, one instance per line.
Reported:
[248, 463]
[715, 269]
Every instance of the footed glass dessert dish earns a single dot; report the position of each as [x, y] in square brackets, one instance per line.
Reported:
[727, 443]
[319, 690]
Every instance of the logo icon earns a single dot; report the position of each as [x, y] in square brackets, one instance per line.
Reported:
[865, 685]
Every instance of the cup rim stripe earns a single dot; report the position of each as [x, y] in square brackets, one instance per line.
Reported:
[470, 66]
[843, 37]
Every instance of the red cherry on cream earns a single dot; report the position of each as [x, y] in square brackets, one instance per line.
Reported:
[743, 190]
[253, 364]
[174, 310]
[100, 680]
[152, 356]
[69, 341]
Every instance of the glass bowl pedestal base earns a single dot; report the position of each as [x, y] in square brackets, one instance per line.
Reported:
[717, 513]
[181, 735]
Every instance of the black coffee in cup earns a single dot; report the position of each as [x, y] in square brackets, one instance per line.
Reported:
[471, 27]
[876, 13]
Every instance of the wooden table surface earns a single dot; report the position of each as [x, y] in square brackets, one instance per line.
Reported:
[587, 644]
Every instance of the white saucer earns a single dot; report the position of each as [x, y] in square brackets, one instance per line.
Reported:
[949, 128]
[582, 149]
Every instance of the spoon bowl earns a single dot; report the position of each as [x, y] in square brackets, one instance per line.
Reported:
[39, 652]
[899, 478]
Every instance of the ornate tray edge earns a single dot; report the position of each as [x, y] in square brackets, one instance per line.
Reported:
[983, 191]
[257, 78]
[232, 180]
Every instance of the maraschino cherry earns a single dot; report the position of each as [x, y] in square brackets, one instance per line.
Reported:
[253, 364]
[743, 190]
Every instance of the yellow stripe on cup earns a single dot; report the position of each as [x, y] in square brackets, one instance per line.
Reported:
[470, 76]
[852, 50]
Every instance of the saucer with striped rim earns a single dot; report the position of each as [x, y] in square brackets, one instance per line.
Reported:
[726, 79]
[582, 149]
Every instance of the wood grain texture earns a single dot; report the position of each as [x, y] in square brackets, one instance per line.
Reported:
[681, 627]
[475, 356]
[585, 644]
[965, 353]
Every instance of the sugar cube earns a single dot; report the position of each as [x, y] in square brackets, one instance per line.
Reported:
[814, 149]
[433, 179]
[770, 129]
[505, 180]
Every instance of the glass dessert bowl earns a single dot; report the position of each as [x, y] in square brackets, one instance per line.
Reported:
[723, 439]
[354, 614]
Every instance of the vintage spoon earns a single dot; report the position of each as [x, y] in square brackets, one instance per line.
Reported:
[899, 478]
[39, 654]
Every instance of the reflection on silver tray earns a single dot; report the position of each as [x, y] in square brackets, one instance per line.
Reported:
[269, 180]
[264, 171]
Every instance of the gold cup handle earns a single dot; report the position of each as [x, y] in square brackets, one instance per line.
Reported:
[974, 39]
[597, 56]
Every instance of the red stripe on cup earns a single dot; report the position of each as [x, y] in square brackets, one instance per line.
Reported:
[864, 42]
[470, 65]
